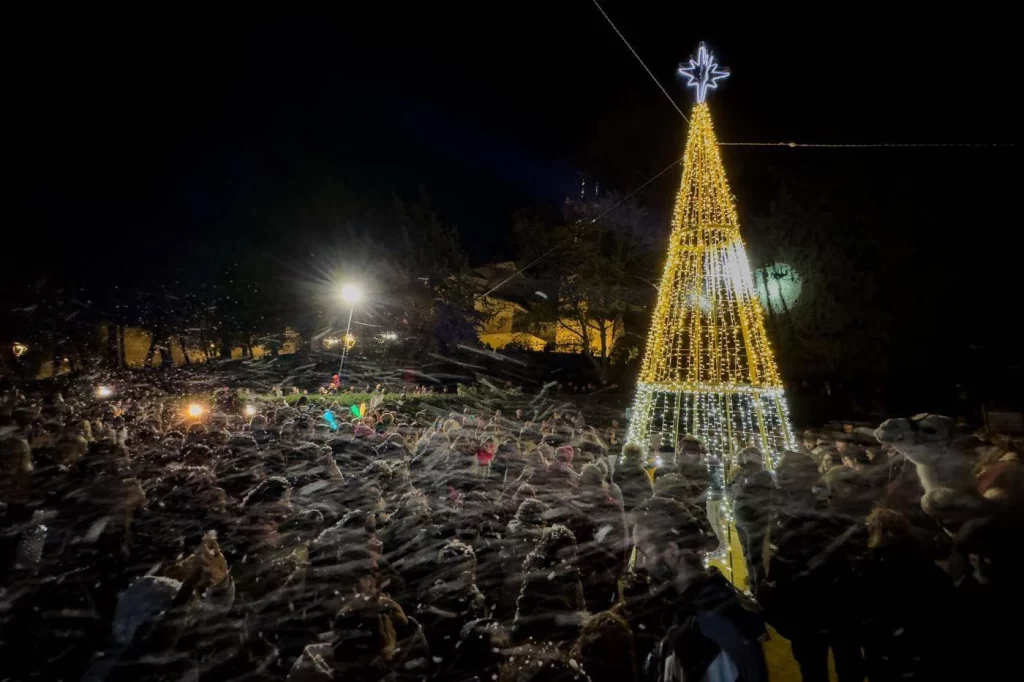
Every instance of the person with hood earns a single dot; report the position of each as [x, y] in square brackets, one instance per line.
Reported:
[452, 601]
[522, 534]
[551, 602]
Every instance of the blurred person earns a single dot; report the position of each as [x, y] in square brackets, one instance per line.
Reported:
[703, 627]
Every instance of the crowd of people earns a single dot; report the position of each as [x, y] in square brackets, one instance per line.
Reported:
[139, 542]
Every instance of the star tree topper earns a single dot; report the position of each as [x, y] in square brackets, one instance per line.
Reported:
[704, 72]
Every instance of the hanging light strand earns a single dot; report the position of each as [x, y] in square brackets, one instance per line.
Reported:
[791, 145]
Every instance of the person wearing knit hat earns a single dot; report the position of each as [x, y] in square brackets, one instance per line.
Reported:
[560, 471]
[632, 477]
[551, 603]
[605, 649]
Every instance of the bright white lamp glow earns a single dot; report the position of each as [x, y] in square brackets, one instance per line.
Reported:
[703, 72]
[351, 293]
[104, 392]
[250, 410]
[195, 410]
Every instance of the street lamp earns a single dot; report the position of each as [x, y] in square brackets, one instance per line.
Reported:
[350, 293]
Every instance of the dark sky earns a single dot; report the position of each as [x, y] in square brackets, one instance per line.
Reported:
[156, 138]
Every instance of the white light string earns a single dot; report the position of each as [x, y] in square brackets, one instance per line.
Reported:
[649, 72]
[791, 145]
[560, 244]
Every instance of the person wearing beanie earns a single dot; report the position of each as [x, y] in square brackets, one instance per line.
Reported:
[560, 471]
[551, 602]
[453, 600]
[605, 648]
[632, 478]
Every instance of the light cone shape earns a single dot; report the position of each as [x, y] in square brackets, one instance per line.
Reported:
[708, 370]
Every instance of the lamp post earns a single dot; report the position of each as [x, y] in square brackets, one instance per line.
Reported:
[351, 295]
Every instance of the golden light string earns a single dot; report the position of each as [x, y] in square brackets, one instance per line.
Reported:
[708, 367]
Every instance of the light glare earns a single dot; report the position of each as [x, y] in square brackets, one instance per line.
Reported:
[351, 293]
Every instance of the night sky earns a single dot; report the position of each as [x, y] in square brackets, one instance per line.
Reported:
[145, 143]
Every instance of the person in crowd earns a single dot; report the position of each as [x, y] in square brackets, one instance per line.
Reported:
[551, 602]
[632, 478]
[696, 624]
[752, 490]
[798, 583]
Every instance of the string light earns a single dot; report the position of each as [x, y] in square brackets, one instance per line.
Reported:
[709, 369]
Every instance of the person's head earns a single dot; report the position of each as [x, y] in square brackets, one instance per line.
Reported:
[555, 548]
[829, 459]
[605, 648]
[364, 631]
[855, 458]
[670, 542]
[271, 495]
[591, 476]
[691, 448]
[530, 513]
[456, 558]
[809, 439]
[632, 454]
[751, 458]
[796, 474]
[887, 527]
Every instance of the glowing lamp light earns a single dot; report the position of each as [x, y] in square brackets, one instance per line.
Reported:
[389, 336]
[19, 349]
[351, 293]
[104, 392]
[250, 410]
[195, 410]
[350, 340]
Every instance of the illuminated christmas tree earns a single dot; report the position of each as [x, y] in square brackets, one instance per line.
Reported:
[708, 370]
